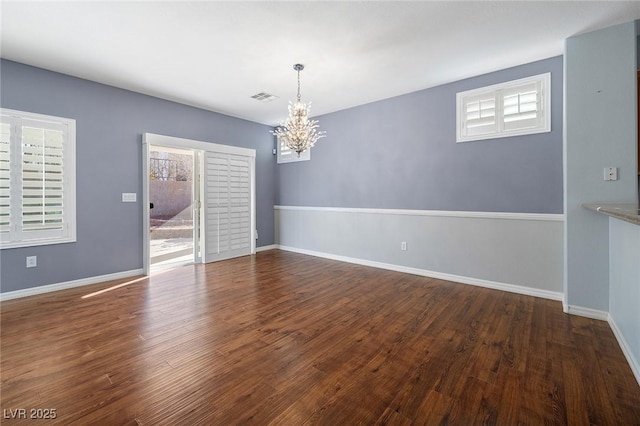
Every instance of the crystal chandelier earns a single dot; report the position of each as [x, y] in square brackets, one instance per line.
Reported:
[297, 132]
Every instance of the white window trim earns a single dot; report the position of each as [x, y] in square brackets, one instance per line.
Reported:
[15, 237]
[500, 132]
[286, 155]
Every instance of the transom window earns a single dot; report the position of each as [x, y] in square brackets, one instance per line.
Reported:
[287, 155]
[517, 107]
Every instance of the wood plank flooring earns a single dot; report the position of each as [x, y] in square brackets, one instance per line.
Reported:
[286, 339]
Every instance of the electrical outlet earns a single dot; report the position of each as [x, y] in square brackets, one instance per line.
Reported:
[610, 173]
[32, 261]
[403, 246]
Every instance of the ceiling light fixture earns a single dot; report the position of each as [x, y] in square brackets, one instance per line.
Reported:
[297, 132]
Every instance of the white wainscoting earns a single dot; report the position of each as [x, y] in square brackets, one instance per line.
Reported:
[517, 252]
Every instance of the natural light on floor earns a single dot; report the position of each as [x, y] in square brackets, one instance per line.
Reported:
[166, 268]
[96, 293]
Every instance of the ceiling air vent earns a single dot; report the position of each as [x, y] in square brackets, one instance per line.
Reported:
[264, 97]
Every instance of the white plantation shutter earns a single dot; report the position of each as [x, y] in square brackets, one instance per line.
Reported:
[285, 154]
[37, 179]
[5, 173]
[522, 106]
[480, 114]
[42, 176]
[228, 230]
[513, 108]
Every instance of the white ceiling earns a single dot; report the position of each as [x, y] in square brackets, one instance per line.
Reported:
[216, 55]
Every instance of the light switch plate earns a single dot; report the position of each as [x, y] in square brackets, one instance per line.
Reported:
[128, 197]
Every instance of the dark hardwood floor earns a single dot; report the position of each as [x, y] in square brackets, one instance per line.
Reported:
[283, 338]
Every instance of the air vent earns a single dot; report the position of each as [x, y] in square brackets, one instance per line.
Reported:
[264, 97]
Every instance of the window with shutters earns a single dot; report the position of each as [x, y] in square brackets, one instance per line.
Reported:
[518, 107]
[286, 155]
[37, 179]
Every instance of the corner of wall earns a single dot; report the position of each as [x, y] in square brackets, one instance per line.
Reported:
[597, 85]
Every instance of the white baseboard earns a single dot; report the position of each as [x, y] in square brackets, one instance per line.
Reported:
[606, 316]
[586, 312]
[512, 288]
[626, 350]
[265, 248]
[68, 284]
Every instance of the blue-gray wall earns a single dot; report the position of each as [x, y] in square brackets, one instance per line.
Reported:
[109, 126]
[401, 153]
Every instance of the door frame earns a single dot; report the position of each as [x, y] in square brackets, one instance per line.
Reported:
[149, 139]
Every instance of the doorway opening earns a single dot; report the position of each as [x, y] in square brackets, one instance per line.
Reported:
[218, 213]
[172, 184]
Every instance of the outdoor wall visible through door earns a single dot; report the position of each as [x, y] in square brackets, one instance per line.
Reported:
[171, 193]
